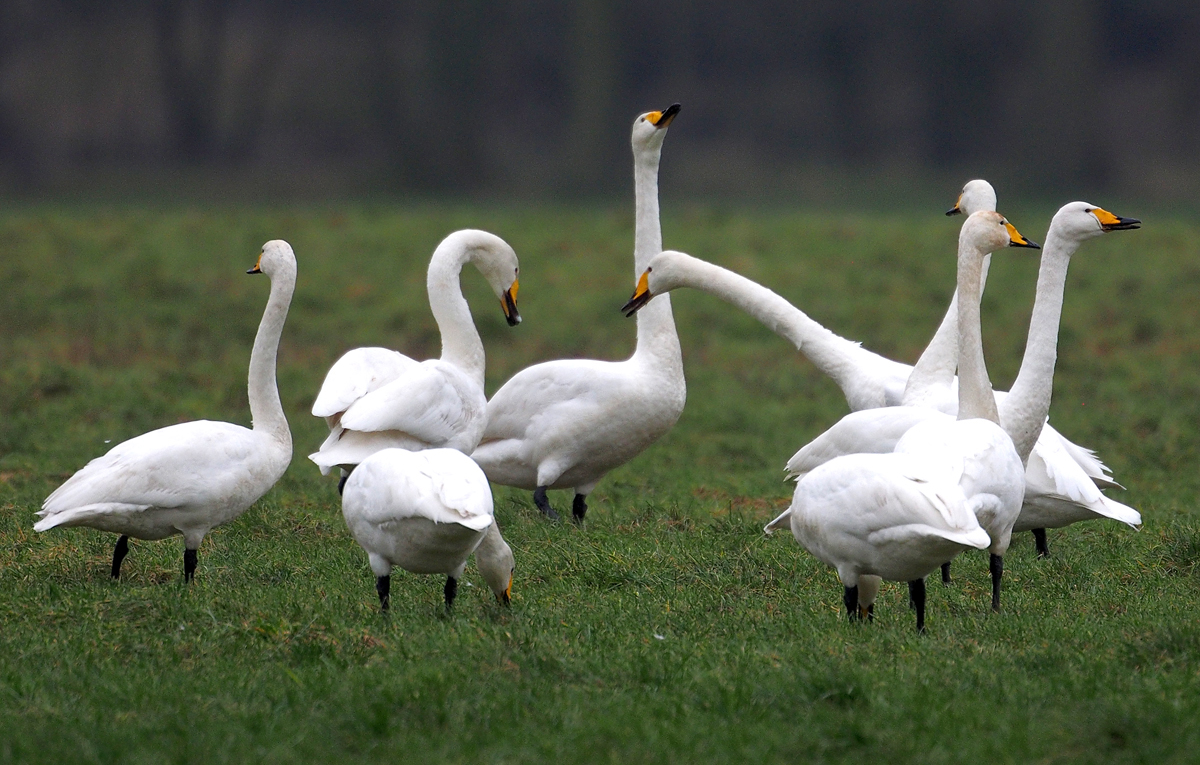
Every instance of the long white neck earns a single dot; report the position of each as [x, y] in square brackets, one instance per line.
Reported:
[934, 371]
[1028, 403]
[836, 356]
[266, 410]
[461, 345]
[657, 340]
[975, 397]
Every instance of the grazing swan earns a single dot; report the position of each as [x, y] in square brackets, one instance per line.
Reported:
[187, 478]
[565, 424]
[375, 398]
[426, 512]
[1057, 491]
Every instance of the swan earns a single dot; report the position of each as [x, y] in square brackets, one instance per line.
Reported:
[1057, 490]
[187, 478]
[567, 423]
[888, 516]
[426, 512]
[374, 398]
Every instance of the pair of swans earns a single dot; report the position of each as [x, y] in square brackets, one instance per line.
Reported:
[188, 478]
[401, 430]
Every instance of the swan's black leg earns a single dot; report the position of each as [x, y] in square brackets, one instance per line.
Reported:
[996, 566]
[579, 508]
[189, 565]
[383, 586]
[119, 553]
[450, 592]
[342, 482]
[850, 598]
[916, 595]
[871, 613]
[946, 572]
[543, 504]
[1039, 538]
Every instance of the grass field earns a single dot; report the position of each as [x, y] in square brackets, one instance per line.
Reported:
[669, 629]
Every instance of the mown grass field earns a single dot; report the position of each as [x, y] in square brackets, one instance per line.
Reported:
[669, 629]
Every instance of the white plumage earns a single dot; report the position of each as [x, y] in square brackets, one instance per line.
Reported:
[188, 478]
[375, 398]
[426, 512]
[567, 423]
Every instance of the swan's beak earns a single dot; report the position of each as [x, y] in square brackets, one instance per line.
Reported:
[505, 597]
[1016, 240]
[1110, 222]
[663, 119]
[641, 296]
[956, 210]
[509, 304]
[257, 266]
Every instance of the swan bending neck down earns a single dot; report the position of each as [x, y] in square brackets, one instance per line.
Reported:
[426, 512]
[375, 398]
[565, 424]
[187, 478]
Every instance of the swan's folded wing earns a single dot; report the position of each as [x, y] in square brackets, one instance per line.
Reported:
[548, 390]
[192, 460]
[871, 431]
[1100, 473]
[357, 373]
[395, 484]
[429, 402]
[1052, 471]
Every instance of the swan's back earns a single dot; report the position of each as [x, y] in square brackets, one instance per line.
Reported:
[439, 485]
[357, 373]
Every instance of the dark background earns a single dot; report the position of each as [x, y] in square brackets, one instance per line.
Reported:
[534, 98]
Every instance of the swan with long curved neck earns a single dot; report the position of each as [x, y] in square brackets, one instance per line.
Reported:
[187, 478]
[566, 424]
[375, 398]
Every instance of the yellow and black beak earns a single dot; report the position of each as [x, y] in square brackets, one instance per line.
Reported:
[1110, 222]
[1016, 240]
[509, 304]
[663, 119]
[505, 597]
[641, 296]
[956, 210]
[257, 266]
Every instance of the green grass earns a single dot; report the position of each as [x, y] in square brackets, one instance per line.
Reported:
[670, 629]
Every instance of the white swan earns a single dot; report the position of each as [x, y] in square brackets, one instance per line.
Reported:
[187, 478]
[567, 423]
[426, 512]
[375, 398]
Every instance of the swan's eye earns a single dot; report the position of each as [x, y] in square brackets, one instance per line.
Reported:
[648, 270]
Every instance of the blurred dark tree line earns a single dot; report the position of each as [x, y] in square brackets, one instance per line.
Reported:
[534, 97]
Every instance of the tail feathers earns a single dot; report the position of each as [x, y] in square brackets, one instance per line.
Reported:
[976, 537]
[79, 516]
[1119, 512]
[783, 521]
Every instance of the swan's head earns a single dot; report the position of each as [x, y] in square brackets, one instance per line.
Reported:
[650, 128]
[989, 231]
[975, 196]
[1081, 220]
[276, 256]
[663, 273]
[495, 259]
[495, 560]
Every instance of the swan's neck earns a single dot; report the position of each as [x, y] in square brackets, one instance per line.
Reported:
[934, 371]
[832, 354]
[1028, 403]
[461, 345]
[975, 397]
[657, 340]
[266, 410]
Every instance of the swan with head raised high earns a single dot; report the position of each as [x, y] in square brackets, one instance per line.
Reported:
[567, 423]
[187, 478]
[375, 398]
[426, 512]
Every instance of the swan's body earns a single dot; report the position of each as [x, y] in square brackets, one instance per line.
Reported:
[375, 398]
[188, 478]
[567, 423]
[426, 512]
